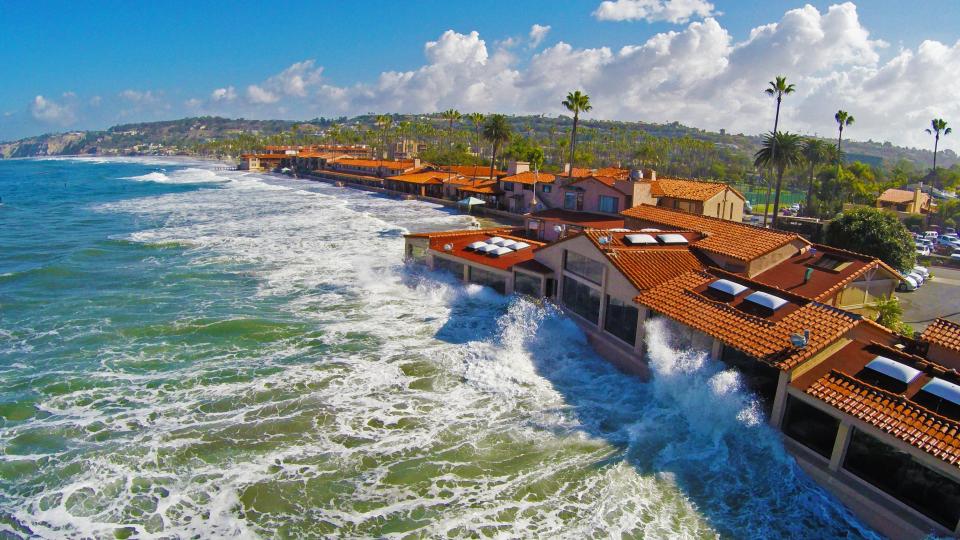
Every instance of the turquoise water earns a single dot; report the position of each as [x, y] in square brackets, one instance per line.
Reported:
[195, 353]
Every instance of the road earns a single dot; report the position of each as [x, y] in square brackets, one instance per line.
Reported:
[939, 297]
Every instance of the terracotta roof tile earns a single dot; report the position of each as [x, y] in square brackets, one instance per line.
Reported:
[893, 414]
[766, 339]
[478, 171]
[736, 240]
[900, 196]
[690, 190]
[430, 177]
[530, 177]
[645, 266]
[385, 163]
[944, 333]
[459, 240]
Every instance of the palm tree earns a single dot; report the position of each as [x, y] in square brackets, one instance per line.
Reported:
[451, 116]
[937, 126]
[843, 119]
[384, 121]
[576, 103]
[496, 131]
[814, 153]
[778, 151]
[776, 88]
[477, 120]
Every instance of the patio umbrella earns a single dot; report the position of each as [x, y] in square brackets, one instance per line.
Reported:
[469, 202]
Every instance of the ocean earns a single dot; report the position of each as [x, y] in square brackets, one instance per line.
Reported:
[192, 352]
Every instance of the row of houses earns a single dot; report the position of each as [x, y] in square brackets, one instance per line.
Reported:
[871, 415]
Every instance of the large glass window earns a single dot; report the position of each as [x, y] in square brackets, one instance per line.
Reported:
[416, 253]
[621, 319]
[508, 186]
[608, 204]
[582, 299]
[810, 426]
[484, 277]
[927, 491]
[759, 377]
[526, 284]
[584, 267]
[453, 267]
[570, 201]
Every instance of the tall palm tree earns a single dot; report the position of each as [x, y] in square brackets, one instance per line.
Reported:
[843, 119]
[814, 153]
[779, 151]
[451, 116]
[937, 126]
[477, 120]
[576, 102]
[776, 88]
[384, 121]
[497, 132]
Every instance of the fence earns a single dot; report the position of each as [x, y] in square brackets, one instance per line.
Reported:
[758, 195]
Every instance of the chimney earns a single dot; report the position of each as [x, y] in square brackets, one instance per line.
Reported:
[649, 174]
[517, 167]
[566, 169]
[416, 163]
[916, 201]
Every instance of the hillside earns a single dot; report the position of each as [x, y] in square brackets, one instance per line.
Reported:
[183, 137]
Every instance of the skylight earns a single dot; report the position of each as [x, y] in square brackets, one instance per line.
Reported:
[506, 242]
[494, 240]
[520, 245]
[649, 230]
[727, 286]
[487, 248]
[766, 300]
[476, 245]
[639, 239]
[501, 251]
[672, 238]
[943, 389]
[893, 369]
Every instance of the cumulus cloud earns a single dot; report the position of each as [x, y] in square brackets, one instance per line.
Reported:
[295, 81]
[673, 11]
[224, 94]
[259, 95]
[135, 96]
[49, 111]
[537, 34]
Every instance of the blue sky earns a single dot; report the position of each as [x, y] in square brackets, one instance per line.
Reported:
[91, 65]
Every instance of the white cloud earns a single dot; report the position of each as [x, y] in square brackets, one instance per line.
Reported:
[50, 112]
[673, 11]
[258, 95]
[224, 94]
[145, 98]
[537, 34]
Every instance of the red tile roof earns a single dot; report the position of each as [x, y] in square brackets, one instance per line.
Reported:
[900, 196]
[736, 240]
[943, 333]
[580, 219]
[483, 187]
[608, 181]
[767, 339]
[891, 413]
[481, 171]
[823, 283]
[430, 177]
[645, 266]
[266, 156]
[459, 240]
[691, 190]
[530, 177]
[613, 172]
[374, 163]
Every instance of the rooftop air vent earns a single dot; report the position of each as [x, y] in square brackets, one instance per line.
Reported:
[727, 286]
[448, 247]
[639, 239]
[672, 239]
[766, 300]
[893, 369]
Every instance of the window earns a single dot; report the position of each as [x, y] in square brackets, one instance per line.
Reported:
[757, 376]
[810, 426]
[584, 267]
[508, 186]
[570, 201]
[528, 187]
[582, 299]
[621, 320]
[416, 253]
[484, 277]
[927, 491]
[526, 284]
[546, 188]
[608, 204]
[453, 267]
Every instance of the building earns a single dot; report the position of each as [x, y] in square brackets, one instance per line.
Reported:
[905, 202]
[556, 223]
[428, 183]
[713, 199]
[781, 310]
[264, 162]
[378, 168]
[405, 149]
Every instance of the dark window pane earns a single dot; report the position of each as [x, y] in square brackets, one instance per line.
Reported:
[621, 320]
[584, 267]
[927, 491]
[759, 377]
[484, 277]
[581, 299]
[526, 284]
[454, 268]
[810, 426]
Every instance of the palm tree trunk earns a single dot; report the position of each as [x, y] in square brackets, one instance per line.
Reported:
[809, 203]
[493, 159]
[936, 141]
[773, 156]
[573, 140]
[776, 198]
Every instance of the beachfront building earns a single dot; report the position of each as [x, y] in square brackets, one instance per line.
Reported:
[379, 168]
[265, 162]
[556, 223]
[427, 183]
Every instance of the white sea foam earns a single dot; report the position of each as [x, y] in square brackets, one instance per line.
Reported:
[403, 398]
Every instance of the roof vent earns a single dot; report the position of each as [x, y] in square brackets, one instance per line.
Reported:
[603, 240]
[727, 286]
[639, 239]
[943, 389]
[893, 369]
[766, 300]
[672, 239]
[800, 340]
[448, 247]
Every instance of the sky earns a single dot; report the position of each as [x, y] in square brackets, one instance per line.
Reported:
[704, 63]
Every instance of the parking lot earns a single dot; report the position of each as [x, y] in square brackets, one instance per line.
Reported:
[938, 297]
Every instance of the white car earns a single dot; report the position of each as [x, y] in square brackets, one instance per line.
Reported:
[923, 271]
[922, 249]
[908, 284]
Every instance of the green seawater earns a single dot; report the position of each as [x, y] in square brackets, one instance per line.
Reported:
[189, 352]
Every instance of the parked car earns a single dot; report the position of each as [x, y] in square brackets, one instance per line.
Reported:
[795, 207]
[951, 230]
[949, 241]
[747, 207]
[923, 271]
[923, 250]
[931, 234]
[908, 284]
